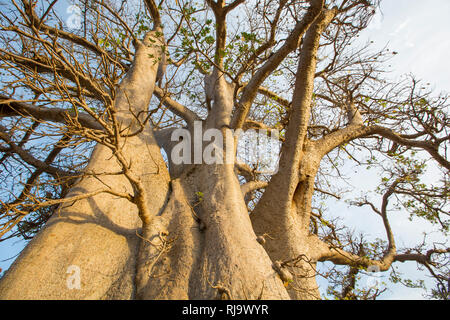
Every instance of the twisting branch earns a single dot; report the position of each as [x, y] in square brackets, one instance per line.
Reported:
[28, 157]
[355, 131]
[252, 186]
[328, 252]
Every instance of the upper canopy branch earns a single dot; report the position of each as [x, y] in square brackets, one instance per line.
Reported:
[38, 24]
[355, 131]
[291, 43]
[59, 67]
[220, 8]
[232, 5]
[267, 44]
[220, 13]
[154, 12]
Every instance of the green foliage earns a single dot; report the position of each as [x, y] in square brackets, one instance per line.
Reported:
[199, 196]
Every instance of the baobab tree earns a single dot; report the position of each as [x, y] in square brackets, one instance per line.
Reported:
[90, 107]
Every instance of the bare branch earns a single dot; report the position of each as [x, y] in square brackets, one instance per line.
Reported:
[27, 157]
[291, 43]
[177, 108]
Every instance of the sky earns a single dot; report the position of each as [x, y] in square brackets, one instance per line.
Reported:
[419, 31]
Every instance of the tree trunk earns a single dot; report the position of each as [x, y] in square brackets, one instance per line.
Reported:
[283, 212]
[135, 224]
[97, 235]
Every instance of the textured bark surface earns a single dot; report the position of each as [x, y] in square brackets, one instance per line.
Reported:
[290, 191]
[231, 256]
[187, 246]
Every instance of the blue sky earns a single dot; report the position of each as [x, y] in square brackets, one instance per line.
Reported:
[419, 31]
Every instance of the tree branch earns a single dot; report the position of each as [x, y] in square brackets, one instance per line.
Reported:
[252, 186]
[291, 43]
[266, 45]
[340, 256]
[352, 131]
[274, 96]
[11, 108]
[154, 12]
[232, 5]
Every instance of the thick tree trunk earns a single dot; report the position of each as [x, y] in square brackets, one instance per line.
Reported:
[288, 240]
[203, 245]
[286, 226]
[283, 212]
[132, 227]
[98, 235]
